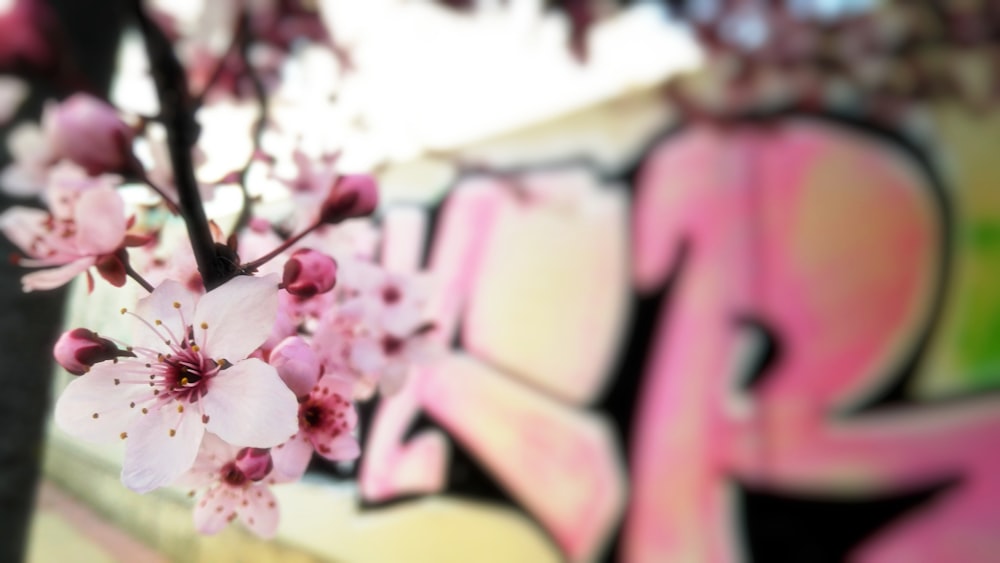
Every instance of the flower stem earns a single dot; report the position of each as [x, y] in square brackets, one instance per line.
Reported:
[137, 277]
[244, 35]
[251, 266]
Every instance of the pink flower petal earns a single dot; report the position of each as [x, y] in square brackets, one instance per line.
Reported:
[292, 458]
[212, 455]
[297, 364]
[342, 448]
[155, 456]
[100, 221]
[261, 514]
[248, 405]
[239, 315]
[393, 378]
[215, 508]
[96, 393]
[52, 278]
[21, 181]
[367, 356]
[22, 225]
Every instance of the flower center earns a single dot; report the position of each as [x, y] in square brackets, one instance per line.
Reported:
[231, 475]
[312, 415]
[391, 345]
[186, 372]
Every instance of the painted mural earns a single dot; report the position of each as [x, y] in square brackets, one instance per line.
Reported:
[752, 345]
[768, 333]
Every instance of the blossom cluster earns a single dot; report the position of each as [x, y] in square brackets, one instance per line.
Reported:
[252, 347]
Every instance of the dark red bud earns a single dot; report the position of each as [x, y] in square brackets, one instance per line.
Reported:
[353, 195]
[79, 349]
[254, 463]
[309, 272]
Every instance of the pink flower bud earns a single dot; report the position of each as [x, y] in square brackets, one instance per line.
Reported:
[78, 349]
[353, 195]
[89, 132]
[254, 463]
[297, 364]
[309, 272]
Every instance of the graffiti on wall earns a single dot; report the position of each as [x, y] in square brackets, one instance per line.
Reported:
[734, 351]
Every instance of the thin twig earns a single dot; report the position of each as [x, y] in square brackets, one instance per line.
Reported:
[167, 200]
[137, 277]
[259, 125]
[233, 47]
[252, 266]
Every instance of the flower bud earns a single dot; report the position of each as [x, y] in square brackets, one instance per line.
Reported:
[254, 463]
[297, 364]
[309, 272]
[89, 132]
[353, 195]
[78, 349]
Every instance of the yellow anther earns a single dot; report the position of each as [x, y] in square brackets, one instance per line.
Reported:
[184, 381]
[157, 322]
[195, 348]
[123, 310]
[180, 408]
[123, 435]
[204, 325]
[177, 305]
[173, 432]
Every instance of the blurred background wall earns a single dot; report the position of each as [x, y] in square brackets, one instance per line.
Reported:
[735, 305]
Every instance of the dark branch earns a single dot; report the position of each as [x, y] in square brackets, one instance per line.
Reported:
[177, 115]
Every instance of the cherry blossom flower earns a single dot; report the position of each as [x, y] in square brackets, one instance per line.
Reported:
[234, 483]
[378, 329]
[89, 132]
[84, 227]
[190, 374]
[326, 423]
[82, 129]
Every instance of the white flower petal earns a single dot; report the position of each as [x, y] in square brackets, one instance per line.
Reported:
[239, 315]
[160, 447]
[93, 393]
[248, 405]
[159, 305]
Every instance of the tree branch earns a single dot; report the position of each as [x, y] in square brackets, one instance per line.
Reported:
[177, 116]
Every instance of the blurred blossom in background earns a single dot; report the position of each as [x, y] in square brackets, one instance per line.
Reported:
[715, 278]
